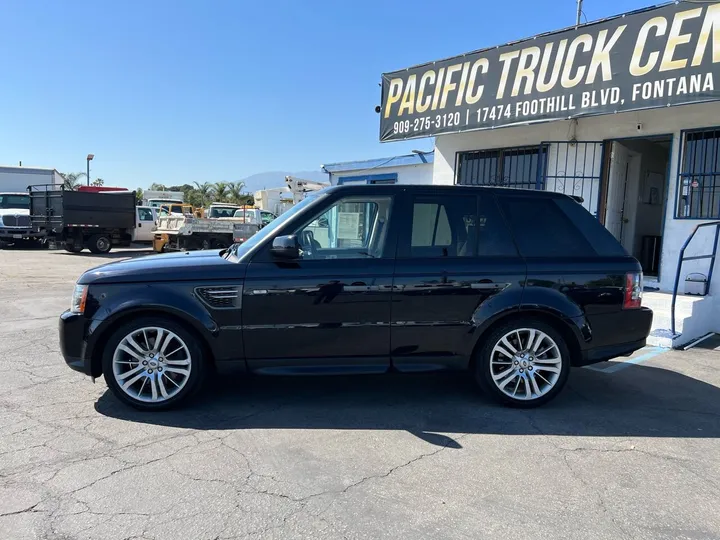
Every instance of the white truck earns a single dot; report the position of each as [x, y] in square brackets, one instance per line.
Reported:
[15, 225]
[157, 199]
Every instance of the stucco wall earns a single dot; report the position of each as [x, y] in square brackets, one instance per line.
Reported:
[653, 122]
[407, 174]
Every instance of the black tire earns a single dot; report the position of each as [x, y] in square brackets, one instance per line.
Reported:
[72, 248]
[197, 366]
[99, 244]
[535, 366]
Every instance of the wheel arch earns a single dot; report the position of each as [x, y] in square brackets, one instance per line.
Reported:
[570, 335]
[103, 332]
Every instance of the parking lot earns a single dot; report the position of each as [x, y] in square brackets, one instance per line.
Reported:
[627, 451]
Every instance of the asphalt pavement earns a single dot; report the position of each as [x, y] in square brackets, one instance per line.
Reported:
[628, 451]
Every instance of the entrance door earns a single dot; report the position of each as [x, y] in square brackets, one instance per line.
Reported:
[330, 309]
[615, 219]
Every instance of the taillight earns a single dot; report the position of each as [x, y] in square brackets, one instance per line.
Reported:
[633, 290]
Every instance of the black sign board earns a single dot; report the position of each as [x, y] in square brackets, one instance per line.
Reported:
[651, 58]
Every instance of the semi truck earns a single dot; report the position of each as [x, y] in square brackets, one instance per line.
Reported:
[93, 220]
[15, 227]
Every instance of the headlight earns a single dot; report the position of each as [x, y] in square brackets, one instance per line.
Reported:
[77, 304]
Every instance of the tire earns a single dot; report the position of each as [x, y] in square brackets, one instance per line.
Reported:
[510, 378]
[100, 243]
[162, 383]
[72, 248]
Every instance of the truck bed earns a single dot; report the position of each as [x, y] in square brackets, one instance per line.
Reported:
[55, 209]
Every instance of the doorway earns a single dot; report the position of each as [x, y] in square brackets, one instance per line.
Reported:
[635, 197]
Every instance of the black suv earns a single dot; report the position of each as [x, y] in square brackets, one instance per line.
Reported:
[515, 286]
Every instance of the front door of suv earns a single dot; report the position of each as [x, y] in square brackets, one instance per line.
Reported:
[329, 309]
[456, 264]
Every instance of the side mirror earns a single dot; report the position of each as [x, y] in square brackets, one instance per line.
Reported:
[286, 247]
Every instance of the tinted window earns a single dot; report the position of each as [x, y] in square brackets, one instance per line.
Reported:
[443, 227]
[602, 240]
[542, 229]
[494, 238]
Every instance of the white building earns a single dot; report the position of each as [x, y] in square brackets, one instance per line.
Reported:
[649, 170]
[416, 168]
[19, 178]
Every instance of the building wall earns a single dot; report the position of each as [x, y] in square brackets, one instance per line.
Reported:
[653, 122]
[407, 174]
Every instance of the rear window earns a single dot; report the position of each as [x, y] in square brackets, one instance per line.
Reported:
[543, 229]
[602, 240]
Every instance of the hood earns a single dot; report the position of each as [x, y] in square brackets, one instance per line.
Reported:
[186, 266]
[14, 212]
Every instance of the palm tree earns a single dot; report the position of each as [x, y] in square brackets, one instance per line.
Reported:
[71, 181]
[98, 182]
[235, 193]
[220, 191]
[204, 189]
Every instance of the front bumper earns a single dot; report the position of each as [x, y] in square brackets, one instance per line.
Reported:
[73, 346]
[10, 233]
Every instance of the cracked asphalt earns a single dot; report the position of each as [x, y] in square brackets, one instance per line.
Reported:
[628, 454]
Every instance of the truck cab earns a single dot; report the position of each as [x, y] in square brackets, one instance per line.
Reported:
[15, 218]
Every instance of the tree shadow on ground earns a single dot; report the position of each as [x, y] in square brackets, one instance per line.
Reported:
[638, 401]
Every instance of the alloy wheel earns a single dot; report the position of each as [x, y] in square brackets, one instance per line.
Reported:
[151, 364]
[525, 364]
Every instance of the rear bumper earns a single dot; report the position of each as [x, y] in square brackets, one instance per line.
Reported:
[72, 329]
[620, 334]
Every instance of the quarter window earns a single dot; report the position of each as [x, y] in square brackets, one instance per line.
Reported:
[353, 228]
[443, 227]
[699, 191]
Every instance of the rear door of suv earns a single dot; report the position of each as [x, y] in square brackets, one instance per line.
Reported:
[456, 263]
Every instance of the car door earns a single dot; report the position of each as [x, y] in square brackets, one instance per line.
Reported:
[329, 309]
[145, 219]
[455, 260]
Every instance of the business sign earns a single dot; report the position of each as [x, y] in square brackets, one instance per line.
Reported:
[651, 58]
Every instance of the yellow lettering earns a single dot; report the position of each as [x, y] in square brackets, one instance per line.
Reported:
[711, 23]
[660, 23]
[438, 87]
[567, 80]
[675, 38]
[463, 84]
[423, 103]
[408, 100]
[449, 85]
[473, 94]
[529, 59]
[394, 93]
[601, 55]
[543, 86]
[506, 59]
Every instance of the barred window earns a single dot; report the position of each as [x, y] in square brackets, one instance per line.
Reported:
[511, 167]
[699, 190]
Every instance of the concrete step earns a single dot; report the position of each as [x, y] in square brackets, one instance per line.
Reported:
[693, 318]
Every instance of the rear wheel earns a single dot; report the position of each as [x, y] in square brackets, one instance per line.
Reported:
[153, 363]
[73, 248]
[524, 363]
[100, 243]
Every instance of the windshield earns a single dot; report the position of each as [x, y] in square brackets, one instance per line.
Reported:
[15, 201]
[222, 212]
[238, 250]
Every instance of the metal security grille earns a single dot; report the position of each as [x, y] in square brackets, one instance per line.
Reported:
[699, 193]
[575, 168]
[520, 167]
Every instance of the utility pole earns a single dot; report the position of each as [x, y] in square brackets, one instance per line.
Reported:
[579, 12]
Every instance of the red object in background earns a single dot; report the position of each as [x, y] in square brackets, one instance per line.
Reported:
[97, 189]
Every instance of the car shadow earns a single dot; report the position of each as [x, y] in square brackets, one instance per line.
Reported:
[638, 401]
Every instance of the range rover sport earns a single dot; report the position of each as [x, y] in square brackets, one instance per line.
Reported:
[513, 286]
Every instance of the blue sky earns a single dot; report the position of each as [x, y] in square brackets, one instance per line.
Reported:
[174, 91]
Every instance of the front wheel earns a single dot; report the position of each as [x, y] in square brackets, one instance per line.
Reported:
[153, 363]
[524, 363]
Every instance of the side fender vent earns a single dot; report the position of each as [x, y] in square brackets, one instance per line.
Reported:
[219, 297]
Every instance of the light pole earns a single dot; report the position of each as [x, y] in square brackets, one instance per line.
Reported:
[89, 159]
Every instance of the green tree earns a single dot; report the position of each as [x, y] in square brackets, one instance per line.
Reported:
[71, 181]
[204, 191]
[139, 195]
[220, 191]
[235, 193]
[98, 182]
[157, 187]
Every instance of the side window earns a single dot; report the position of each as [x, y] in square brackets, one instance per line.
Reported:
[145, 214]
[494, 238]
[353, 228]
[266, 217]
[443, 226]
[542, 229]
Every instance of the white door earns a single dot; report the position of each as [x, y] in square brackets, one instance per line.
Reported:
[615, 219]
[144, 222]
